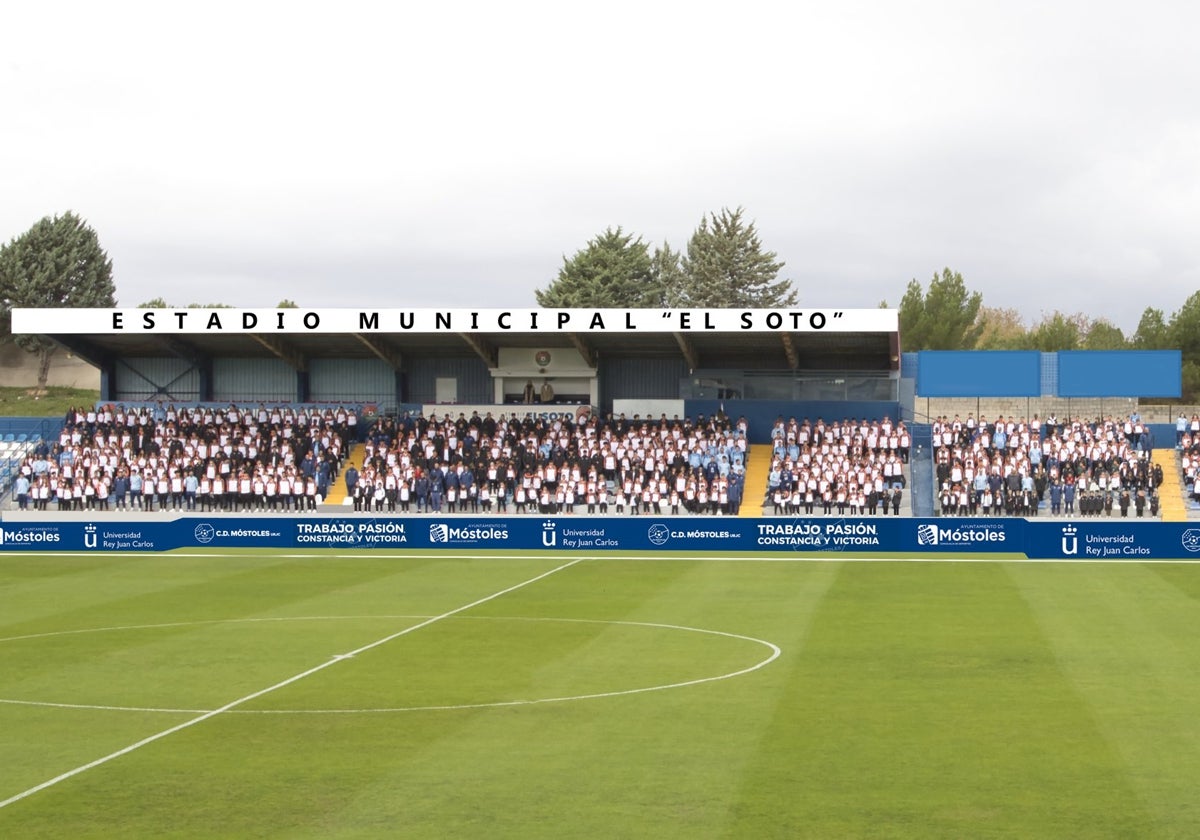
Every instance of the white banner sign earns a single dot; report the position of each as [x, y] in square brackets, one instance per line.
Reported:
[67, 321]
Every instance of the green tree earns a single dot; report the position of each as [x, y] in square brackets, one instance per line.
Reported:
[161, 303]
[726, 266]
[1183, 332]
[667, 271]
[1057, 331]
[286, 303]
[1190, 381]
[1104, 335]
[946, 317]
[56, 263]
[614, 270]
[1152, 332]
[1003, 329]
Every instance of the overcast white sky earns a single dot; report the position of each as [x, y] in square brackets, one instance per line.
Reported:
[438, 155]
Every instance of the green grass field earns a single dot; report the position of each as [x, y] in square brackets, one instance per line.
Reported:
[53, 402]
[177, 695]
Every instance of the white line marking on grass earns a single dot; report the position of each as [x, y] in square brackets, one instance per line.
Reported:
[775, 653]
[254, 696]
[200, 621]
[87, 707]
[158, 626]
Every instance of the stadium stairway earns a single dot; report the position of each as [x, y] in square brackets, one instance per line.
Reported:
[920, 472]
[337, 493]
[1170, 496]
[758, 467]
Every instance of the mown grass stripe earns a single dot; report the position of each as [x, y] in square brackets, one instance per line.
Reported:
[927, 703]
[1126, 640]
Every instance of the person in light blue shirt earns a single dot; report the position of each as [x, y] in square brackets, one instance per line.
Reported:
[135, 491]
[774, 477]
[979, 485]
[21, 491]
[190, 485]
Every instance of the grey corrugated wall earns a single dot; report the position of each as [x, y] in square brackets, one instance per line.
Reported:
[640, 379]
[155, 379]
[352, 381]
[474, 379]
[249, 381]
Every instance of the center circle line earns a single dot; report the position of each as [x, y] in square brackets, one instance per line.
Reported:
[774, 649]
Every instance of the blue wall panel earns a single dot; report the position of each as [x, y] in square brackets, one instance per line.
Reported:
[979, 373]
[1120, 373]
[1049, 374]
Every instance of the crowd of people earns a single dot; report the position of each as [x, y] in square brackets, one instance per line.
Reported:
[285, 458]
[854, 467]
[526, 463]
[1187, 441]
[191, 458]
[1015, 467]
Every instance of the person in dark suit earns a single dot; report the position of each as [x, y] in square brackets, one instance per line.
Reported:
[437, 488]
[421, 491]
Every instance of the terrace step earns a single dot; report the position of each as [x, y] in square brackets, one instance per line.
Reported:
[337, 490]
[758, 468]
[1172, 506]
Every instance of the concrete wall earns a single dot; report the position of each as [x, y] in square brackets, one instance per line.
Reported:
[928, 409]
[19, 369]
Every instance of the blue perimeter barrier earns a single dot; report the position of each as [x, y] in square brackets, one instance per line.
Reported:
[1126, 539]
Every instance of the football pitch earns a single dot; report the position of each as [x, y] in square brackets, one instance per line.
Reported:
[255, 694]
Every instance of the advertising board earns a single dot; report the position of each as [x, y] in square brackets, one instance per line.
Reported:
[1085, 539]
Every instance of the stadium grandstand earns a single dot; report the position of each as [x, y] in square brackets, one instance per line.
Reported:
[759, 414]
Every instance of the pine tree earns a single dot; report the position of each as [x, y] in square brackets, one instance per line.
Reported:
[944, 318]
[614, 270]
[56, 263]
[726, 267]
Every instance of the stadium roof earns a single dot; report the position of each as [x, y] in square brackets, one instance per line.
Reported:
[838, 345]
